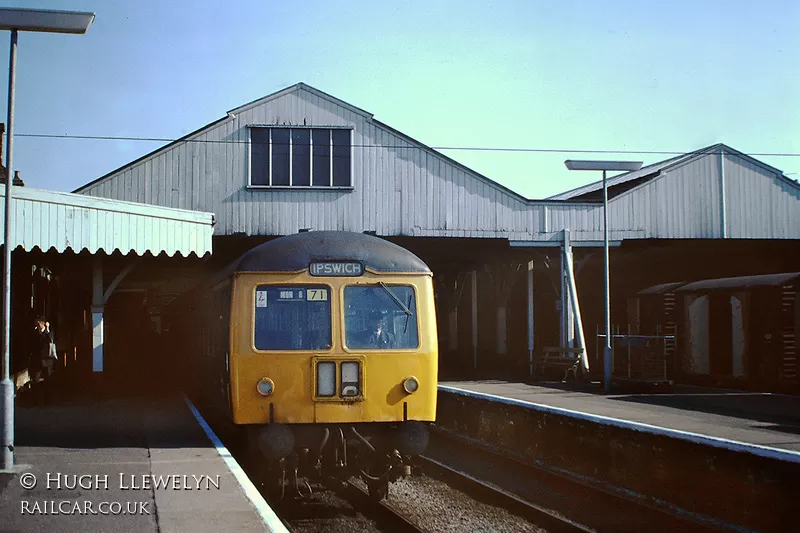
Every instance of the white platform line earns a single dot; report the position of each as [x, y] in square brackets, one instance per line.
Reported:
[264, 510]
[707, 440]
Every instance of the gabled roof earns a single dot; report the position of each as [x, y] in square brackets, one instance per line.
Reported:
[649, 172]
[296, 87]
[230, 115]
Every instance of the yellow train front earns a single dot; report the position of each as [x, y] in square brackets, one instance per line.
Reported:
[332, 360]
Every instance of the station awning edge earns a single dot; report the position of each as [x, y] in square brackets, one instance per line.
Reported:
[56, 220]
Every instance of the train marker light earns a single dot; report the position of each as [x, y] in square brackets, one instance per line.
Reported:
[265, 386]
[410, 384]
[350, 381]
[326, 378]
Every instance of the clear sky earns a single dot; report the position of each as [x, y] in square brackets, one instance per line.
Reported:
[571, 75]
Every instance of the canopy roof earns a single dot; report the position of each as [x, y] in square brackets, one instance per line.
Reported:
[48, 219]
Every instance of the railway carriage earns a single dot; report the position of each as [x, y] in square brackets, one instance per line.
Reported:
[323, 347]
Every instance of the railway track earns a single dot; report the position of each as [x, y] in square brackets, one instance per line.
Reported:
[547, 519]
[461, 478]
[347, 510]
[557, 500]
[419, 503]
[384, 510]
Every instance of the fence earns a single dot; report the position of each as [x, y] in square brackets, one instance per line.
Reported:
[639, 358]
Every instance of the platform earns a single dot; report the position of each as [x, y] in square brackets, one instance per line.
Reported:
[126, 464]
[760, 420]
[726, 460]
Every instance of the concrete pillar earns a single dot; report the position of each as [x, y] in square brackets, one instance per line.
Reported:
[501, 330]
[452, 328]
[98, 307]
[97, 339]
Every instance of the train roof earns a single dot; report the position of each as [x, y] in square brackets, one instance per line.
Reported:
[295, 252]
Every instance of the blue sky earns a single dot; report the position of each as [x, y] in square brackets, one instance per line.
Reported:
[572, 75]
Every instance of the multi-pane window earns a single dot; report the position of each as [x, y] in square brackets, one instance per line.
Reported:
[300, 157]
[295, 317]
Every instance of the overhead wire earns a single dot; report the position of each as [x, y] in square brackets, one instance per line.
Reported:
[395, 146]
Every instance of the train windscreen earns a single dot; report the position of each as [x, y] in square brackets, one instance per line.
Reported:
[380, 317]
[296, 317]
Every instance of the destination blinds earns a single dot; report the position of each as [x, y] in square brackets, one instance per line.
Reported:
[337, 268]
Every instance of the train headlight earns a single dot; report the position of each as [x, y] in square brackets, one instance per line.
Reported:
[410, 384]
[265, 386]
[326, 378]
[350, 378]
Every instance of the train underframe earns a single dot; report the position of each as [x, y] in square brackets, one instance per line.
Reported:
[298, 455]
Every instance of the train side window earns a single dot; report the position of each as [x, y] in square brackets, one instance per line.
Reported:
[380, 317]
[295, 317]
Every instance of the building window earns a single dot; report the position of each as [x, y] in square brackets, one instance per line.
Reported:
[300, 157]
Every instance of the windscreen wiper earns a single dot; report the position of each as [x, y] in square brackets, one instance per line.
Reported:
[400, 304]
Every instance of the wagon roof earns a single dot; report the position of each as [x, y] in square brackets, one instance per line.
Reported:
[295, 252]
[662, 288]
[743, 282]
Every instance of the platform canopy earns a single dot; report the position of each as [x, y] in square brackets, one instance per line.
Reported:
[48, 219]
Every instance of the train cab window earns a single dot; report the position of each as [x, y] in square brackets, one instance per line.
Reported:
[380, 317]
[296, 317]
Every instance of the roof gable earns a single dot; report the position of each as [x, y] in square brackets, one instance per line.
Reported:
[716, 149]
[230, 115]
[300, 86]
[650, 172]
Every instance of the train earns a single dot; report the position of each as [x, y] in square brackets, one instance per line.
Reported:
[321, 347]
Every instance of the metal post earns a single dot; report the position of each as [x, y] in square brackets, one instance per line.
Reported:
[6, 385]
[567, 307]
[562, 340]
[723, 216]
[575, 308]
[530, 318]
[607, 350]
[474, 304]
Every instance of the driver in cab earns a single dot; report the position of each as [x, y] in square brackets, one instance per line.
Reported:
[376, 336]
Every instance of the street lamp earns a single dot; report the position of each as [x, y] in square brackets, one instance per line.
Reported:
[605, 166]
[16, 20]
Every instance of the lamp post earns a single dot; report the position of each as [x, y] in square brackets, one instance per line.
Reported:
[605, 166]
[17, 20]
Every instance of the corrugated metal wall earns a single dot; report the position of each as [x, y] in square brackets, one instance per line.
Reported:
[398, 188]
[685, 203]
[682, 204]
[760, 206]
[401, 188]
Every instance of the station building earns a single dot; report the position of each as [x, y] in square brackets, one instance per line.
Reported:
[513, 275]
[71, 254]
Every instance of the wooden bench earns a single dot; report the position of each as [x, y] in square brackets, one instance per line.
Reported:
[556, 356]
